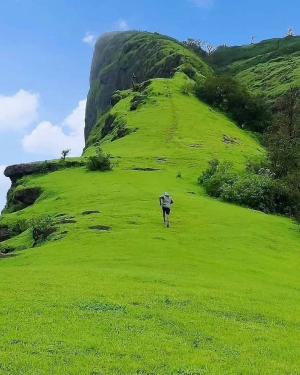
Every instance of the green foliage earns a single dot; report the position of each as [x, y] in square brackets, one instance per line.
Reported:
[19, 227]
[283, 138]
[99, 162]
[256, 191]
[188, 70]
[270, 67]
[187, 88]
[42, 227]
[64, 154]
[228, 95]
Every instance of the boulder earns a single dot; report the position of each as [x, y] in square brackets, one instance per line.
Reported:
[67, 221]
[4, 233]
[17, 171]
[145, 169]
[28, 196]
[91, 212]
[6, 249]
[100, 227]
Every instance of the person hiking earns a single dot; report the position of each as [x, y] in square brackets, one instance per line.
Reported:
[165, 202]
[133, 80]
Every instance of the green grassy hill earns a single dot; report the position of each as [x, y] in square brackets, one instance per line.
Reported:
[215, 294]
[270, 67]
[119, 55]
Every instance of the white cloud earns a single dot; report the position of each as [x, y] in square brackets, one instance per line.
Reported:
[4, 186]
[19, 110]
[121, 25]
[48, 139]
[89, 39]
[206, 4]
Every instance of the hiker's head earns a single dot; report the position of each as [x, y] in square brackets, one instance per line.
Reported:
[166, 194]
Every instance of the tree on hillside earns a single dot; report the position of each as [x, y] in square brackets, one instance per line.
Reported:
[194, 42]
[64, 154]
[284, 136]
[230, 96]
[290, 32]
[210, 48]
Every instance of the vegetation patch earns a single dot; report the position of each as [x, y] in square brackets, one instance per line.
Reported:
[118, 96]
[42, 228]
[99, 162]
[228, 95]
[98, 306]
[229, 140]
[137, 101]
[257, 191]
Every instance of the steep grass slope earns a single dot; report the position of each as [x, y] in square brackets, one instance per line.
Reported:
[214, 294]
[270, 67]
[119, 55]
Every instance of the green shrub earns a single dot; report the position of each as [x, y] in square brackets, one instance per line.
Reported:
[187, 88]
[99, 162]
[42, 228]
[19, 227]
[189, 70]
[257, 191]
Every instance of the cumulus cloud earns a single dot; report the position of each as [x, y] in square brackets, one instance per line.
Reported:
[121, 25]
[4, 186]
[206, 4]
[19, 110]
[89, 39]
[49, 140]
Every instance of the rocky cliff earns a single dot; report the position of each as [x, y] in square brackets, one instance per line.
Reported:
[119, 55]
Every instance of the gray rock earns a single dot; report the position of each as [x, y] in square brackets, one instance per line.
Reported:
[100, 227]
[28, 196]
[145, 169]
[90, 212]
[60, 215]
[67, 221]
[17, 171]
[4, 233]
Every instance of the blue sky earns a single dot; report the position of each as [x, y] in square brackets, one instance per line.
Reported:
[46, 49]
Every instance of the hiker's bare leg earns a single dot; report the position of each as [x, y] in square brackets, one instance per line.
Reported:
[168, 220]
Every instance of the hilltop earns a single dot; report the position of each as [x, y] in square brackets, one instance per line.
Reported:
[113, 291]
[269, 67]
[119, 55]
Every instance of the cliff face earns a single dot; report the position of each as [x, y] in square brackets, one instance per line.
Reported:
[119, 55]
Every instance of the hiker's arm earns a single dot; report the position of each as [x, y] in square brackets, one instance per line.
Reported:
[160, 198]
[172, 201]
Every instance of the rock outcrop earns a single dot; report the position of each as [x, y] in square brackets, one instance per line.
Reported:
[15, 172]
[4, 233]
[27, 196]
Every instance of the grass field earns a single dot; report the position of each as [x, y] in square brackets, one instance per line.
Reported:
[217, 293]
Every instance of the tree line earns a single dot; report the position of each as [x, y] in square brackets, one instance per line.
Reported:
[274, 179]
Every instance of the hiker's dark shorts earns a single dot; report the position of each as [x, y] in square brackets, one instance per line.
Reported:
[166, 210]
